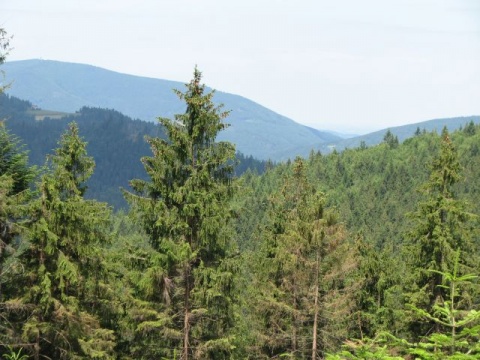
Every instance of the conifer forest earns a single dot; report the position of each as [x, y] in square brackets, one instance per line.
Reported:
[368, 253]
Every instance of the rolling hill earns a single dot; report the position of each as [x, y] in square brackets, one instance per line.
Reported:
[256, 130]
[67, 87]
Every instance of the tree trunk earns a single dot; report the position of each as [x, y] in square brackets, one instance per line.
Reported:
[295, 322]
[315, 318]
[36, 348]
[186, 320]
[1, 274]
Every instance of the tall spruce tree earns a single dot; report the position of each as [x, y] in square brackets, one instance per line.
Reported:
[441, 229]
[60, 287]
[185, 211]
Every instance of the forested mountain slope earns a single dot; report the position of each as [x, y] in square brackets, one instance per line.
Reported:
[116, 142]
[410, 215]
[373, 188]
[255, 130]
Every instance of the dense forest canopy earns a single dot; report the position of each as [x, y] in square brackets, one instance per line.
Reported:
[368, 253]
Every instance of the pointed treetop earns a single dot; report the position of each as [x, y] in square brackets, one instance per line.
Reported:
[73, 167]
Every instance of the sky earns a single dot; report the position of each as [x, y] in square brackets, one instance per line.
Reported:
[344, 65]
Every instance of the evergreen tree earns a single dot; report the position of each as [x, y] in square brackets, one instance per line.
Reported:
[184, 210]
[62, 279]
[378, 301]
[470, 129]
[441, 228]
[15, 178]
[302, 304]
[461, 334]
[135, 312]
[390, 139]
[14, 161]
[458, 339]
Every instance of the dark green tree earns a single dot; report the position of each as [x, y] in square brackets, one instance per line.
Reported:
[441, 227]
[458, 339]
[61, 286]
[184, 209]
[390, 139]
[378, 300]
[470, 129]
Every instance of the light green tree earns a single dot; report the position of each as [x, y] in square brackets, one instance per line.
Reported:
[15, 178]
[458, 339]
[302, 302]
[461, 336]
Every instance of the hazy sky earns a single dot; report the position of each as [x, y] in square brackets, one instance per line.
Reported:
[345, 65]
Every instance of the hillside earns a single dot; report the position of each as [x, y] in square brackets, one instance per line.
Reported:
[115, 141]
[67, 87]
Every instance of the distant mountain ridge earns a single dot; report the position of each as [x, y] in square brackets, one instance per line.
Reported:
[67, 87]
[404, 132]
[256, 130]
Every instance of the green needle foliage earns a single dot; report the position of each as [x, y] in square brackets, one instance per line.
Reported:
[441, 227]
[60, 285]
[458, 339]
[303, 301]
[184, 210]
[15, 178]
[461, 337]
